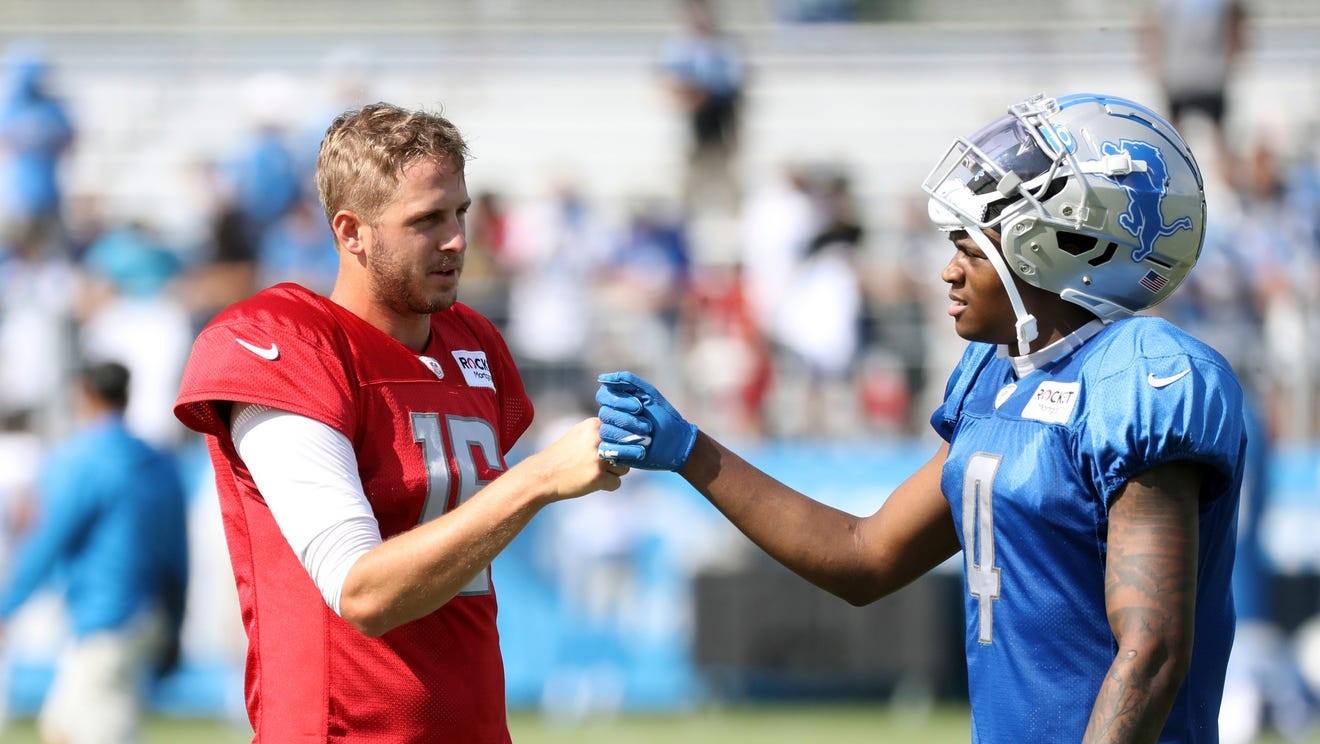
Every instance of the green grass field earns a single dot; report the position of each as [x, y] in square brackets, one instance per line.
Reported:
[770, 725]
[778, 725]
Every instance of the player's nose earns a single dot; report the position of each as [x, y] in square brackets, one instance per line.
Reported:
[952, 273]
[457, 243]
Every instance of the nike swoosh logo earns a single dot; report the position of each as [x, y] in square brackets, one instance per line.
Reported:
[1159, 382]
[269, 355]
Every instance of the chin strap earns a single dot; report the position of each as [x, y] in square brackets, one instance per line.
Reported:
[1025, 328]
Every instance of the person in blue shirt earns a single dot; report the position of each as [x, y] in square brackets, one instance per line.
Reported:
[703, 70]
[1091, 457]
[110, 526]
[35, 135]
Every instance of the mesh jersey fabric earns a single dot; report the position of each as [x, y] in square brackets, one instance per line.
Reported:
[1033, 467]
[428, 430]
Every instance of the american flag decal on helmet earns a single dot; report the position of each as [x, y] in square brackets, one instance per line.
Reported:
[1153, 281]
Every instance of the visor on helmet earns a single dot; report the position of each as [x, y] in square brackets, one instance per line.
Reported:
[1007, 160]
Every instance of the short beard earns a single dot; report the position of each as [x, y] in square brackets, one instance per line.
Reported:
[389, 282]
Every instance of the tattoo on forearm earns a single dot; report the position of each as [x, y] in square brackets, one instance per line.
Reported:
[1150, 593]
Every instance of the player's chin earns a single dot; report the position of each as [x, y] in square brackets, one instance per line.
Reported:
[970, 328]
[967, 327]
[435, 302]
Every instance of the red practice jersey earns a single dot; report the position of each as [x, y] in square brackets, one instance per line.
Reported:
[429, 431]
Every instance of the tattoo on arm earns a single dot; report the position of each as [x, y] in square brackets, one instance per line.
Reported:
[1150, 598]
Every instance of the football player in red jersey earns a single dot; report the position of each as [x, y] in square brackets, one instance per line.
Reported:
[359, 443]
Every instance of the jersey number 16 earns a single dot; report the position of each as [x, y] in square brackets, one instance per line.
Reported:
[466, 435]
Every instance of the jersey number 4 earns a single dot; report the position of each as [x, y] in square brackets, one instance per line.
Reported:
[978, 528]
[466, 436]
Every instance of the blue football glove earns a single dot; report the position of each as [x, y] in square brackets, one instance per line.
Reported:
[639, 428]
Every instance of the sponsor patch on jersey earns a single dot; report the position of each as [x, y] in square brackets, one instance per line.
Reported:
[475, 368]
[1053, 402]
[434, 366]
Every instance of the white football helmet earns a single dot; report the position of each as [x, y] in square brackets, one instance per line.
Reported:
[1109, 176]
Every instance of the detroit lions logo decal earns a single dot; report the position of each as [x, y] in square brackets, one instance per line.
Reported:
[1143, 217]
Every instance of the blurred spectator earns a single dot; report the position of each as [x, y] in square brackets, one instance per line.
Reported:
[726, 357]
[816, 11]
[84, 223]
[899, 333]
[1303, 182]
[226, 269]
[35, 135]
[642, 290]
[35, 329]
[779, 221]
[488, 224]
[264, 172]
[1282, 262]
[131, 314]
[130, 261]
[485, 265]
[840, 224]
[299, 248]
[111, 523]
[37, 288]
[777, 225]
[557, 246]
[820, 329]
[653, 258]
[1193, 47]
[703, 69]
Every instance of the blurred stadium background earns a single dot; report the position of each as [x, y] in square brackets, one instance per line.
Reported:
[589, 250]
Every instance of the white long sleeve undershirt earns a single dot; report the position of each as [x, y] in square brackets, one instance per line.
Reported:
[307, 473]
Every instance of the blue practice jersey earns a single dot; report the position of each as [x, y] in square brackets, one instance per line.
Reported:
[112, 525]
[1034, 465]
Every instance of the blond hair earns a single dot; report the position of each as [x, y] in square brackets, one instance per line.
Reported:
[364, 152]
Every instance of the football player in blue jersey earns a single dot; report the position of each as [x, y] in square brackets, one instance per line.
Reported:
[1091, 456]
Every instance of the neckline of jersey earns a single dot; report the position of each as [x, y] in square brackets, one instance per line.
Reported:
[1026, 364]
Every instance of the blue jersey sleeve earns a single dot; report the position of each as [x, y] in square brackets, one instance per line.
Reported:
[974, 359]
[1178, 401]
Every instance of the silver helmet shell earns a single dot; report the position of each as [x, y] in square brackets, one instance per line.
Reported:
[1109, 176]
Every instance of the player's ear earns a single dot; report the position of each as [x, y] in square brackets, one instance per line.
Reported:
[348, 229]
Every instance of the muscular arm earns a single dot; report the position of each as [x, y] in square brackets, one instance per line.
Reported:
[1150, 597]
[858, 559]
